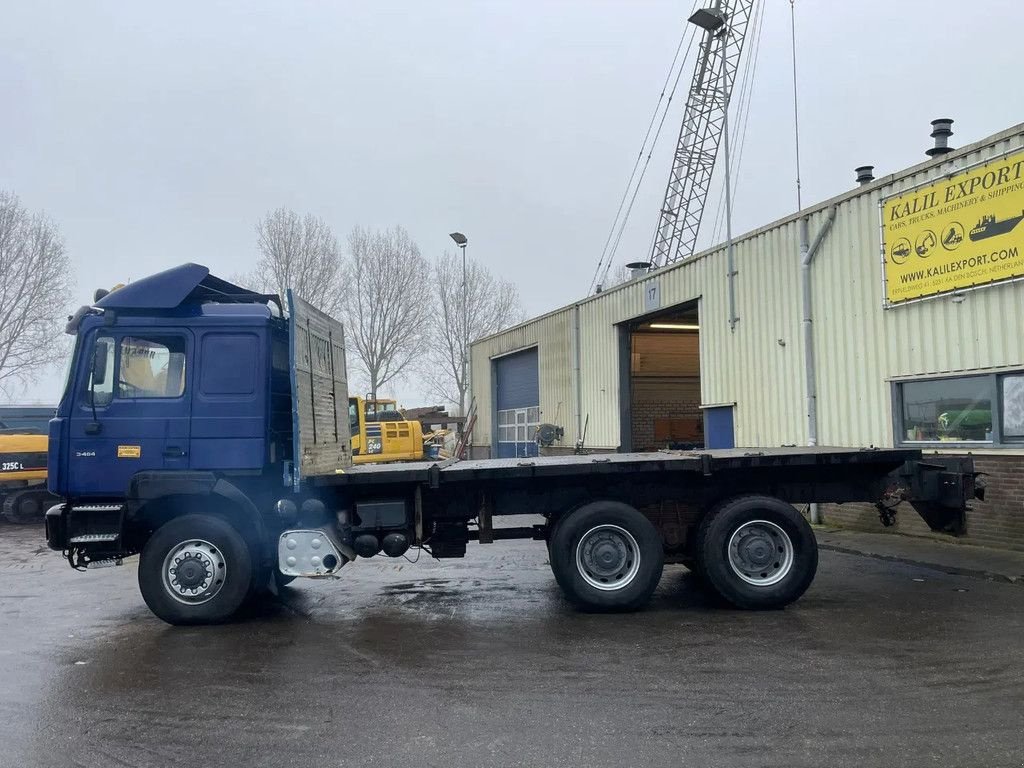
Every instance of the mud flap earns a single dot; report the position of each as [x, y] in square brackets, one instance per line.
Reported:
[940, 488]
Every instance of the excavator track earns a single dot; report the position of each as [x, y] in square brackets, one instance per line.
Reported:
[27, 506]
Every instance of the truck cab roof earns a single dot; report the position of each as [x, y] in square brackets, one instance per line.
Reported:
[188, 290]
[177, 286]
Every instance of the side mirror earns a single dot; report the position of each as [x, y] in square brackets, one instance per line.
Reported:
[99, 362]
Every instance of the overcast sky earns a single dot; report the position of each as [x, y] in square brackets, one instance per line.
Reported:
[155, 134]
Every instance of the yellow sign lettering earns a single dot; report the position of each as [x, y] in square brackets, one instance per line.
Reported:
[963, 231]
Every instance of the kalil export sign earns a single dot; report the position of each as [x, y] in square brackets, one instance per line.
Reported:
[961, 232]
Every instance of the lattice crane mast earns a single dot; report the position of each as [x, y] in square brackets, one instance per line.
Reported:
[725, 27]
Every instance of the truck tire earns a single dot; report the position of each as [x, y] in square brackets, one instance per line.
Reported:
[195, 569]
[606, 556]
[756, 552]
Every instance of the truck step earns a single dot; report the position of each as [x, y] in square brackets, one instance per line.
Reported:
[108, 563]
[97, 507]
[89, 538]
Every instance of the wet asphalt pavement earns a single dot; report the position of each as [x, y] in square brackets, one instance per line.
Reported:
[480, 662]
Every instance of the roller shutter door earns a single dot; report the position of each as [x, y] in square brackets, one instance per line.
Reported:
[517, 404]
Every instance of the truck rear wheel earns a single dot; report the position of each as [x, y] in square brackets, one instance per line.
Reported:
[195, 569]
[757, 552]
[606, 556]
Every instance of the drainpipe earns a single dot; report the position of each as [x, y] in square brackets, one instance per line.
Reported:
[730, 247]
[807, 253]
[576, 371]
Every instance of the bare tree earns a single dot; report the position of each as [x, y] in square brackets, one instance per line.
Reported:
[299, 252]
[617, 276]
[491, 304]
[385, 310]
[34, 291]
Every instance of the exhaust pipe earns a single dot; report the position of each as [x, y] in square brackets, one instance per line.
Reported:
[942, 129]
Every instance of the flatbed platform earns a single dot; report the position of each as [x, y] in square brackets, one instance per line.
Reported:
[701, 462]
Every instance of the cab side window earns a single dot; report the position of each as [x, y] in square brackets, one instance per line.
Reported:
[151, 367]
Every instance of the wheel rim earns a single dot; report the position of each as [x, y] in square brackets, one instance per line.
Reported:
[608, 557]
[761, 553]
[194, 572]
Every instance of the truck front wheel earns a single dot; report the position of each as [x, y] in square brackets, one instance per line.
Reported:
[606, 556]
[195, 569]
[757, 552]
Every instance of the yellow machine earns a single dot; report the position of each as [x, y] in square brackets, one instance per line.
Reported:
[23, 477]
[381, 433]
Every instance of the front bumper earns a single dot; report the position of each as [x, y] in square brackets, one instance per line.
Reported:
[57, 527]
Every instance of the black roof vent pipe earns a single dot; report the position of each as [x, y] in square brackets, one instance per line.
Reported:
[865, 174]
[942, 129]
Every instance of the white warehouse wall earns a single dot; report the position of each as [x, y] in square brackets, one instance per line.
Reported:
[859, 346]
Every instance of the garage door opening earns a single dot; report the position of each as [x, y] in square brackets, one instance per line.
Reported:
[664, 381]
[516, 404]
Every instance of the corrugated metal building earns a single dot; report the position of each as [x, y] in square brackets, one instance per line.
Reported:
[616, 365]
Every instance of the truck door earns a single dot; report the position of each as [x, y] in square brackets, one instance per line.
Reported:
[132, 412]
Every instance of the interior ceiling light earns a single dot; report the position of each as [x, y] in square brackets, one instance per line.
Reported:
[675, 326]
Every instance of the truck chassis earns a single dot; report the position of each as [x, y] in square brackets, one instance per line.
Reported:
[209, 542]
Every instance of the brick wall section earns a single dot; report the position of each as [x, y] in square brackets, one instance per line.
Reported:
[674, 399]
[996, 522]
[644, 415]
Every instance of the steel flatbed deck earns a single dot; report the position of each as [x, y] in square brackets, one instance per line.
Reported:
[698, 462]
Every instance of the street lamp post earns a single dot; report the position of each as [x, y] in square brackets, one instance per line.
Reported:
[461, 241]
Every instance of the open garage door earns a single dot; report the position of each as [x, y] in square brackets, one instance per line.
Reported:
[664, 381]
[517, 404]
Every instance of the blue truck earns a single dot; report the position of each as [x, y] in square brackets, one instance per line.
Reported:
[204, 427]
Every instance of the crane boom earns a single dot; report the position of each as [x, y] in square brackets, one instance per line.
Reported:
[725, 27]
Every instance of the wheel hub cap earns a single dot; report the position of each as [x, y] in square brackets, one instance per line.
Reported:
[194, 571]
[608, 557]
[190, 571]
[761, 553]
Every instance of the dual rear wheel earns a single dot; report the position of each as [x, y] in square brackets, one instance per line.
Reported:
[756, 552]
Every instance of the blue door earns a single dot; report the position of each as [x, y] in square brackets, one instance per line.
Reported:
[718, 429]
[229, 401]
[517, 404]
[135, 415]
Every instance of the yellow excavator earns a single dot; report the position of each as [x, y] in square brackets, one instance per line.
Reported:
[23, 442]
[380, 432]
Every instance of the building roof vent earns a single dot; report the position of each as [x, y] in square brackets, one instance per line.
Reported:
[638, 269]
[865, 174]
[942, 129]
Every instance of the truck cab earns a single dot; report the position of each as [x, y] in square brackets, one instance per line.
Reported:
[179, 387]
[161, 383]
